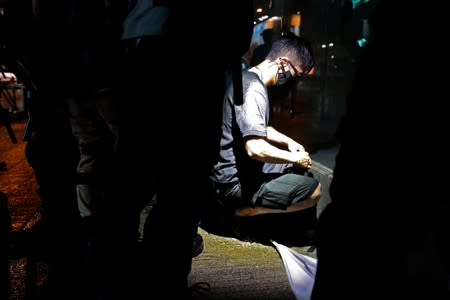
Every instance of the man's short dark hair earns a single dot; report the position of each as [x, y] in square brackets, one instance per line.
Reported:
[295, 48]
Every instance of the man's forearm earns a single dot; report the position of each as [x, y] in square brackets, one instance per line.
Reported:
[261, 150]
[274, 136]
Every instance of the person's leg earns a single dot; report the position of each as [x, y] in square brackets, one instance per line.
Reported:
[249, 211]
[52, 152]
[93, 126]
[127, 261]
[89, 119]
[284, 194]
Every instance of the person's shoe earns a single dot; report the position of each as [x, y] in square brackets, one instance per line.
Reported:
[197, 245]
[199, 290]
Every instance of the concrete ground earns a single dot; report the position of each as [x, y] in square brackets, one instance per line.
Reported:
[237, 269]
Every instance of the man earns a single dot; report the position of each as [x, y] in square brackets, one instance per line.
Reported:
[254, 170]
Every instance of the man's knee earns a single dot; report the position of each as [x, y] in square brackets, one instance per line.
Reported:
[315, 196]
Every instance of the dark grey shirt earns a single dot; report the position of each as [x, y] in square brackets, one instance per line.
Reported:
[240, 121]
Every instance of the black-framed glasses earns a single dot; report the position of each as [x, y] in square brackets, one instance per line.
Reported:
[297, 73]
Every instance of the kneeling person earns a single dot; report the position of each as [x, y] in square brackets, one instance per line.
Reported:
[254, 167]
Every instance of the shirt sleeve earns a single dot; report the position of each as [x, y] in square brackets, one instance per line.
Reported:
[252, 115]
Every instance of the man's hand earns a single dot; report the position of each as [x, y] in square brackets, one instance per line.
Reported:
[302, 159]
[293, 146]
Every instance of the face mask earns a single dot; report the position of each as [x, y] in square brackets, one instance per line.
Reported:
[284, 77]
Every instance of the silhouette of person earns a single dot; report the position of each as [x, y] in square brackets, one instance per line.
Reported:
[385, 233]
[159, 50]
[261, 51]
[81, 73]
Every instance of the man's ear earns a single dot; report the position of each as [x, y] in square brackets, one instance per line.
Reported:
[283, 59]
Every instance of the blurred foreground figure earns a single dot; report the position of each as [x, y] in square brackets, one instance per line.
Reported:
[5, 229]
[174, 98]
[385, 234]
[66, 48]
